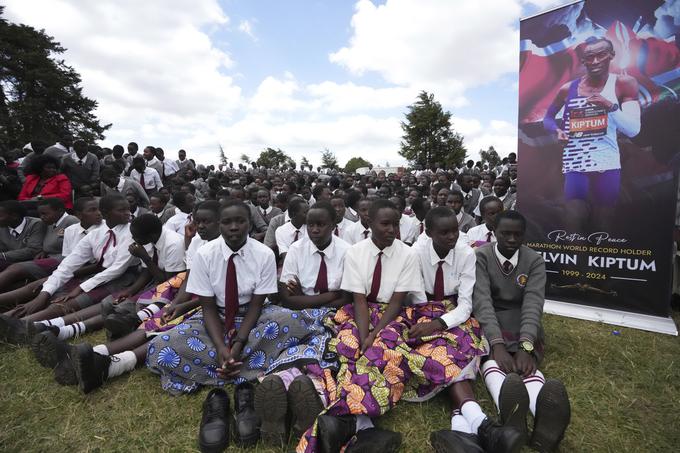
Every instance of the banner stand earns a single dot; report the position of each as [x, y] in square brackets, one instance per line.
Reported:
[650, 323]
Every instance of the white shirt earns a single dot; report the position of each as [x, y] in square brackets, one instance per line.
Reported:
[459, 277]
[196, 243]
[285, 234]
[400, 269]
[152, 180]
[501, 259]
[170, 166]
[170, 251]
[343, 228]
[462, 239]
[72, 235]
[355, 233]
[177, 222]
[479, 234]
[116, 259]
[478, 211]
[121, 183]
[408, 229]
[255, 271]
[303, 261]
[16, 232]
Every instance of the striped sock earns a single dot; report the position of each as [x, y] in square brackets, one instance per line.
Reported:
[534, 384]
[58, 322]
[493, 378]
[459, 423]
[148, 312]
[71, 331]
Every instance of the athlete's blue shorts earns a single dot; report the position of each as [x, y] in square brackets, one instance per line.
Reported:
[601, 188]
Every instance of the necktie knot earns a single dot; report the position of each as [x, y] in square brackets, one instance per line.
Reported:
[366, 235]
[507, 266]
[488, 236]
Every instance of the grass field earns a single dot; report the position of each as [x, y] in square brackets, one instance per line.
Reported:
[624, 390]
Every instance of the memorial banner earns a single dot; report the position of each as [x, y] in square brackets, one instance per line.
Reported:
[599, 131]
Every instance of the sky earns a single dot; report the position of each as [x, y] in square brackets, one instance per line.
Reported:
[302, 76]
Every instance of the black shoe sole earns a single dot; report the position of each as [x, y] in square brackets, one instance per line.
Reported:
[304, 403]
[47, 349]
[82, 358]
[392, 446]
[271, 405]
[118, 327]
[213, 448]
[441, 445]
[553, 413]
[513, 404]
[64, 373]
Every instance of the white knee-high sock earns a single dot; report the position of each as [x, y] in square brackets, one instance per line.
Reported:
[473, 413]
[122, 363]
[493, 378]
[148, 311]
[101, 349]
[364, 422]
[459, 423]
[534, 384]
[72, 331]
[58, 322]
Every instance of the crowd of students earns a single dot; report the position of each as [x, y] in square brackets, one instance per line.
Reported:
[326, 298]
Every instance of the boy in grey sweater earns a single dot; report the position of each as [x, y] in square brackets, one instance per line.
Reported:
[508, 303]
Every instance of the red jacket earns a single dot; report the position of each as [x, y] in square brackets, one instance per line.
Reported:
[58, 186]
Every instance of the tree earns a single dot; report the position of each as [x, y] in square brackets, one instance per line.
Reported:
[40, 96]
[223, 157]
[328, 160]
[428, 136]
[490, 157]
[245, 158]
[273, 158]
[354, 163]
[304, 163]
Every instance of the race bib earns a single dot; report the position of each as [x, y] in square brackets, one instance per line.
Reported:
[588, 121]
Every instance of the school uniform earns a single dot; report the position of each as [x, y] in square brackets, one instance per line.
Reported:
[408, 230]
[154, 164]
[126, 186]
[109, 247]
[508, 201]
[139, 211]
[149, 179]
[81, 172]
[341, 229]
[357, 233]
[167, 212]
[480, 235]
[178, 221]
[351, 215]
[185, 164]
[465, 221]
[269, 213]
[168, 168]
[471, 200]
[21, 243]
[257, 223]
[287, 234]
[185, 356]
[274, 224]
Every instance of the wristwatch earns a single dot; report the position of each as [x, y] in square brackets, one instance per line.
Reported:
[526, 346]
[613, 108]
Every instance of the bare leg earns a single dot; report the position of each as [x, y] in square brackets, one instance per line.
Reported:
[128, 343]
[140, 353]
[12, 274]
[24, 294]
[460, 392]
[84, 314]
[55, 311]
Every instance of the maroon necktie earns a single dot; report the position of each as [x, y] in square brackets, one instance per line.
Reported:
[375, 283]
[507, 267]
[439, 282]
[141, 181]
[112, 238]
[155, 256]
[366, 234]
[488, 236]
[322, 278]
[398, 233]
[297, 235]
[336, 232]
[230, 294]
[422, 227]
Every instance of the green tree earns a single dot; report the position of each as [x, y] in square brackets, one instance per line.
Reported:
[245, 158]
[490, 156]
[40, 96]
[354, 163]
[328, 160]
[304, 163]
[428, 135]
[223, 157]
[273, 158]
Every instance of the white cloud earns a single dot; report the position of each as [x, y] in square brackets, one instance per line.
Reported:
[246, 27]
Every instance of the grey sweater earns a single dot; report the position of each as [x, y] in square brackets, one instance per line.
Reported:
[510, 304]
[27, 245]
[54, 235]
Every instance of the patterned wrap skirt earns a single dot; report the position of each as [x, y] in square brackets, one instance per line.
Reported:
[186, 358]
[397, 367]
[163, 293]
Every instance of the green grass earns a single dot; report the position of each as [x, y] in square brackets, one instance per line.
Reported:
[624, 390]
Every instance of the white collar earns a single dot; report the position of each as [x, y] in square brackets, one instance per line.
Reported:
[227, 252]
[434, 257]
[501, 259]
[63, 216]
[328, 251]
[121, 183]
[20, 228]
[459, 216]
[387, 251]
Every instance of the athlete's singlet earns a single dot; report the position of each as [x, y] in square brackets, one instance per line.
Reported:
[592, 135]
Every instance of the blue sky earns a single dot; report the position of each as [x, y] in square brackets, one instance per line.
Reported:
[299, 75]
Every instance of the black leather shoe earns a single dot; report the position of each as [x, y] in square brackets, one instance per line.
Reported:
[372, 440]
[120, 325]
[271, 407]
[513, 404]
[497, 438]
[127, 307]
[48, 349]
[107, 306]
[64, 373]
[91, 368]
[553, 413]
[334, 432]
[447, 441]
[304, 404]
[16, 331]
[213, 435]
[246, 421]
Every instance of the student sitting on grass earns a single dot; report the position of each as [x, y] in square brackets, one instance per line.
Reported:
[465, 220]
[292, 231]
[484, 233]
[508, 302]
[21, 236]
[309, 288]
[184, 202]
[362, 229]
[64, 292]
[342, 225]
[95, 365]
